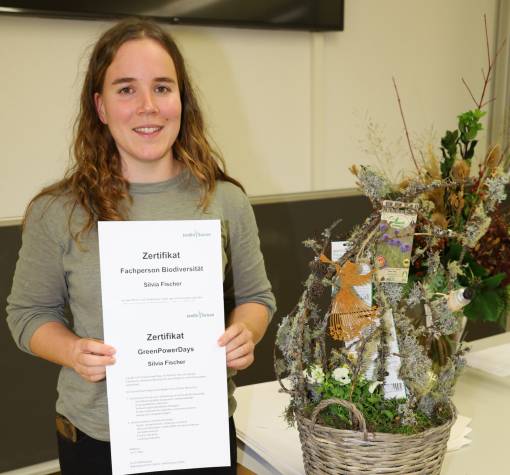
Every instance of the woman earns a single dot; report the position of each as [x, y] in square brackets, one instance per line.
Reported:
[140, 154]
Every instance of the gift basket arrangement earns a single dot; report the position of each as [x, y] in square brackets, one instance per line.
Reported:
[371, 352]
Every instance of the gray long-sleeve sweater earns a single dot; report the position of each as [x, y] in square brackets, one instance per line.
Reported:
[53, 270]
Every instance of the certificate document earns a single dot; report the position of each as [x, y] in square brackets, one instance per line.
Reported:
[162, 297]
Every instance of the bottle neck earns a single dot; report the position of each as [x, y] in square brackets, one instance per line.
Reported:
[459, 298]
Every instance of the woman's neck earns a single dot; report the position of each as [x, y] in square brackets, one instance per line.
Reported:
[151, 172]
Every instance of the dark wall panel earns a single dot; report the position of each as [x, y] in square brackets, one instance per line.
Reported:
[27, 394]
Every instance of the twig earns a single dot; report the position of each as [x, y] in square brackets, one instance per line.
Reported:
[366, 241]
[487, 39]
[327, 233]
[469, 90]
[489, 64]
[405, 127]
[322, 339]
[498, 52]
[361, 355]
[488, 102]
[366, 228]
[490, 67]
[435, 185]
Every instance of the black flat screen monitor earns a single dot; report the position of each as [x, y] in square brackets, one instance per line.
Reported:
[312, 15]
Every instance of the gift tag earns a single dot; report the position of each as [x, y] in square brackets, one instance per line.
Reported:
[395, 241]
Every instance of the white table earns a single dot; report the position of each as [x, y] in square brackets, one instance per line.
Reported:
[486, 400]
[479, 396]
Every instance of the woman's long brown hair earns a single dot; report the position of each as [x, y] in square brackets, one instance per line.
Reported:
[94, 181]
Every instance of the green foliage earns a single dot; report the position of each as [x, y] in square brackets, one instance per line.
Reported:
[436, 282]
[449, 151]
[381, 415]
[461, 141]
[453, 253]
[490, 300]
[494, 281]
[469, 125]
[488, 304]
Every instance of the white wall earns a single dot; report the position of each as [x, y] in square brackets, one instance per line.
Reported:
[287, 109]
[427, 46]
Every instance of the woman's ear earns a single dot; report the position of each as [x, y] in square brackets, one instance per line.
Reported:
[98, 101]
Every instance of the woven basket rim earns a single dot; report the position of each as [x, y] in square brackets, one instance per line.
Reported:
[382, 435]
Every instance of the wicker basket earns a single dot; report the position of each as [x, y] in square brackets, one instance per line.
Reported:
[344, 452]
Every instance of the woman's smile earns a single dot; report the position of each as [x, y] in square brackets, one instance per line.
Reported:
[148, 130]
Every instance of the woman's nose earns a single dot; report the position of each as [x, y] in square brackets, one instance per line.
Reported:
[148, 104]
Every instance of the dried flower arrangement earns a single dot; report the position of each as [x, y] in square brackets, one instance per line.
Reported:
[396, 355]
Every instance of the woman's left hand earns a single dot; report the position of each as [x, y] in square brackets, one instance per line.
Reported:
[239, 342]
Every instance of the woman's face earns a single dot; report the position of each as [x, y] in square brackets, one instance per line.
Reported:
[141, 105]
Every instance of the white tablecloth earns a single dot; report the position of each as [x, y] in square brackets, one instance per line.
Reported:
[267, 446]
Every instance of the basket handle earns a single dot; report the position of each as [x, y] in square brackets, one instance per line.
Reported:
[355, 413]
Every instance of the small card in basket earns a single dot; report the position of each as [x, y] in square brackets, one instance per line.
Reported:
[395, 243]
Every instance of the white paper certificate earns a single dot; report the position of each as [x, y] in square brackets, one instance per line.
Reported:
[162, 296]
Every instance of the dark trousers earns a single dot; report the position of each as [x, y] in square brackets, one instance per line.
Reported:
[88, 456]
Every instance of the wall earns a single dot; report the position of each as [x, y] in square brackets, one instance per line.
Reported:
[427, 47]
[288, 109]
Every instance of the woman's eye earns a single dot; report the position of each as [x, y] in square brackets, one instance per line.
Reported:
[162, 89]
[126, 90]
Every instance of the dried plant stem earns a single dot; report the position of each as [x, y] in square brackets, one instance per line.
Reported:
[367, 227]
[366, 241]
[300, 387]
[460, 208]
[469, 90]
[361, 356]
[405, 127]
[322, 340]
[487, 40]
[436, 185]
[479, 185]
[490, 69]
[489, 64]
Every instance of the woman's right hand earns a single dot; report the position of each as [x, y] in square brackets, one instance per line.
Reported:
[90, 357]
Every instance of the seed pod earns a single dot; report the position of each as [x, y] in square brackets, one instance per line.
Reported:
[454, 200]
[493, 157]
[354, 170]
[460, 169]
[439, 219]
[404, 184]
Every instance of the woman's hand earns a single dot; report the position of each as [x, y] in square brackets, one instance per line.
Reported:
[89, 358]
[53, 341]
[239, 342]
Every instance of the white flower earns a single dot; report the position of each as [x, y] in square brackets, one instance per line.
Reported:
[373, 385]
[314, 375]
[341, 375]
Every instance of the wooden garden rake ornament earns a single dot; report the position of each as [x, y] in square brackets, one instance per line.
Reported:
[349, 314]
